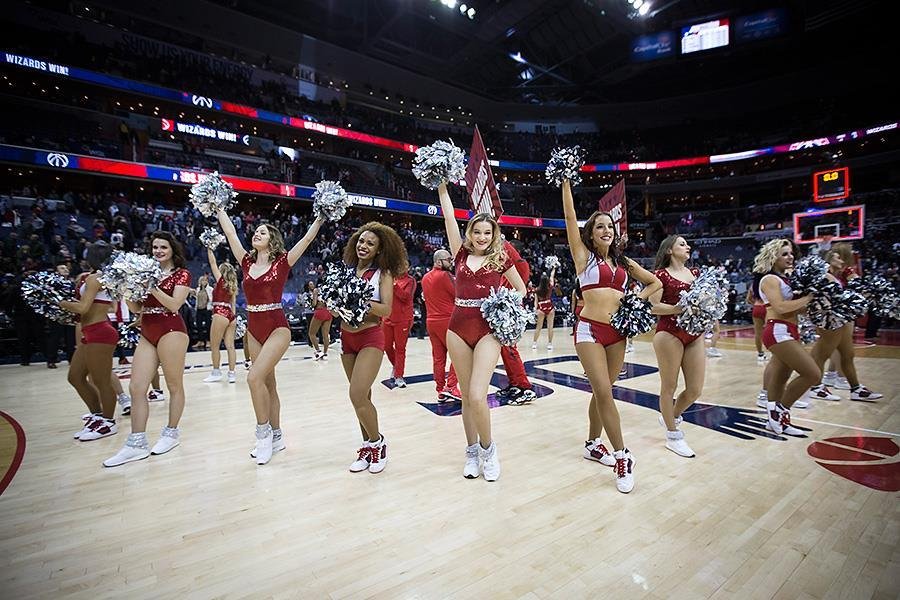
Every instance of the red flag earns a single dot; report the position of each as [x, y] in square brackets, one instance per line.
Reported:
[613, 202]
[483, 194]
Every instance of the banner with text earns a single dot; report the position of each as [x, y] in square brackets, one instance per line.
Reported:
[613, 202]
[483, 194]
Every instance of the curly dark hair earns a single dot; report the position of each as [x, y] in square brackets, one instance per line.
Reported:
[391, 256]
[178, 258]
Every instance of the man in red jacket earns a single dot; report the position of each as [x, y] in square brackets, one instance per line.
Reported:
[519, 389]
[439, 294]
[396, 327]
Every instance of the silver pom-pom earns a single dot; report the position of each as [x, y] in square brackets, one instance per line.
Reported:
[346, 294]
[240, 327]
[130, 276]
[505, 315]
[705, 303]
[552, 262]
[807, 329]
[880, 293]
[211, 238]
[633, 316]
[330, 201]
[129, 335]
[808, 275]
[441, 161]
[211, 194]
[565, 163]
[832, 306]
[43, 291]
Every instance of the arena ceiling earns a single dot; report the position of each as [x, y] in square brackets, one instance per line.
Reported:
[578, 52]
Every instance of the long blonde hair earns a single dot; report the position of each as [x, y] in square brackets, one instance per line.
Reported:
[496, 255]
[229, 276]
[768, 254]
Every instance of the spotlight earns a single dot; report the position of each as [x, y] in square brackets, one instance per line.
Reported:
[471, 13]
[644, 9]
[638, 4]
[463, 8]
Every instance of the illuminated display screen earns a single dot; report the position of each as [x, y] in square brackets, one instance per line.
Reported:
[704, 36]
[830, 185]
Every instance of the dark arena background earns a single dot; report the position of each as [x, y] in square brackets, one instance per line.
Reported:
[719, 127]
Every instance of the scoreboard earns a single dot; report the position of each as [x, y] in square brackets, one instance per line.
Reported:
[831, 185]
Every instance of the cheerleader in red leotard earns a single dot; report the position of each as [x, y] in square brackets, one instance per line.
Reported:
[543, 309]
[481, 262]
[223, 324]
[378, 255]
[265, 268]
[94, 352]
[675, 348]
[164, 341]
[321, 321]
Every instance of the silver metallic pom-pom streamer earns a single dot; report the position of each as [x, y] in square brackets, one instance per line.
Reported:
[129, 335]
[832, 306]
[240, 327]
[130, 275]
[330, 201]
[705, 302]
[808, 275]
[633, 316]
[565, 163]
[880, 293]
[211, 194]
[807, 329]
[346, 294]
[211, 238]
[43, 291]
[440, 162]
[505, 315]
[552, 262]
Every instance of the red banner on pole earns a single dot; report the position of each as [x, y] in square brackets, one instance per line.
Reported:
[613, 202]
[483, 194]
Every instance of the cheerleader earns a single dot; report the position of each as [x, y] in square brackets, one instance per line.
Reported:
[603, 274]
[782, 337]
[577, 306]
[675, 348]
[321, 321]
[90, 370]
[378, 255]
[839, 340]
[481, 263]
[164, 340]
[543, 308]
[265, 270]
[224, 297]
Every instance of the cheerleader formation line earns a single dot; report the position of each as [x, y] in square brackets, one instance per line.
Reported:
[377, 255]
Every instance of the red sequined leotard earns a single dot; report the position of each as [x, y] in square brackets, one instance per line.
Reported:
[671, 294]
[264, 311]
[471, 289]
[221, 300]
[156, 319]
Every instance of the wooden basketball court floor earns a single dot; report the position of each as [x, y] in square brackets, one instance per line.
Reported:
[752, 516]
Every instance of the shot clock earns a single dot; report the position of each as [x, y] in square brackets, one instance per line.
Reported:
[830, 185]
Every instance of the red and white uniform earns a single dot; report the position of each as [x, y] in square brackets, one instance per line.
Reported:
[221, 300]
[671, 294]
[598, 274]
[372, 336]
[156, 319]
[264, 311]
[471, 290]
[778, 330]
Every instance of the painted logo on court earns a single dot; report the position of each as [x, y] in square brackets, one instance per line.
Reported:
[868, 461]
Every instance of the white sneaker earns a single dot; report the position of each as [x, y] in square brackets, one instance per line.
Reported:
[263, 451]
[829, 378]
[534, 346]
[277, 446]
[678, 421]
[248, 364]
[378, 456]
[762, 399]
[124, 401]
[473, 465]
[863, 393]
[842, 384]
[317, 355]
[362, 462]
[675, 442]
[624, 470]
[126, 455]
[549, 346]
[231, 377]
[820, 392]
[800, 403]
[780, 421]
[761, 358]
[490, 462]
[168, 440]
[629, 347]
[99, 428]
[325, 356]
[156, 396]
[596, 451]
[86, 422]
[214, 377]
[714, 353]
[399, 382]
